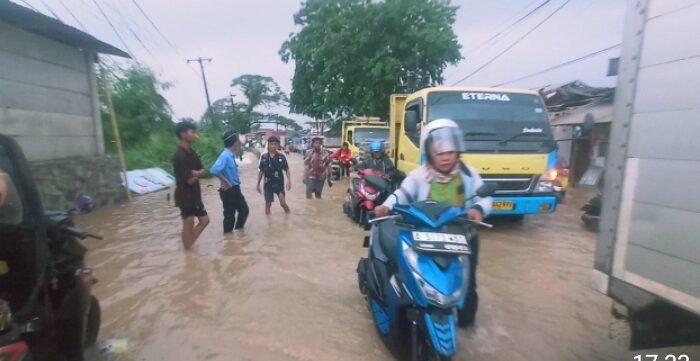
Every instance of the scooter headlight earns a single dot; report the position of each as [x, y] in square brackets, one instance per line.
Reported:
[430, 293]
[371, 196]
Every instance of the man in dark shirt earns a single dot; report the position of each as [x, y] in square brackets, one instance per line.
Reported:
[188, 195]
[273, 166]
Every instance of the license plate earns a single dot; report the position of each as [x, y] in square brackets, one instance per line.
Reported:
[441, 242]
[502, 205]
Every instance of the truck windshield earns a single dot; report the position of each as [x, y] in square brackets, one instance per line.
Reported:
[367, 134]
[496, 122]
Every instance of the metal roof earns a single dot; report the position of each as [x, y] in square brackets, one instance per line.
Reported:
[51, 28]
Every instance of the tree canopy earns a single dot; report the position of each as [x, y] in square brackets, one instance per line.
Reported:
[261, 94]
[139, 107]
[350, 55]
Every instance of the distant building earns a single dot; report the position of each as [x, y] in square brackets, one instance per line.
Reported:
[49, 103]
[568, 106]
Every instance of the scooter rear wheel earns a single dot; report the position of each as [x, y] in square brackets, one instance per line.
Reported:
[92, 329]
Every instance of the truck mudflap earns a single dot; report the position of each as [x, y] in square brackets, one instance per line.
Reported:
[524, 205]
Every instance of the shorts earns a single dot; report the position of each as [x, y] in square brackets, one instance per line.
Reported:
[187, 212]
[270, 190]
[315, 186]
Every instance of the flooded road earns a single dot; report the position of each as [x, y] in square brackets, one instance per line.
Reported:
[286, 287]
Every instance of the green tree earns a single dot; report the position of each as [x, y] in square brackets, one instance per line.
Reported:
[140, 109]
[259, 91]
[350, 55]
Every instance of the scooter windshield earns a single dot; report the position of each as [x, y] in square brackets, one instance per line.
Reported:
[11, 205]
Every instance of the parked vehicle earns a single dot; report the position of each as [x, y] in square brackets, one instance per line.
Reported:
[367, 191]
[359, 133]
[591, 213]
[45, 286]
[509, 135]
[415, 278]
[648, 255]
[335, 168]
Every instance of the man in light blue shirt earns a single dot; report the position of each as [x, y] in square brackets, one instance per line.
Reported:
[226, 169]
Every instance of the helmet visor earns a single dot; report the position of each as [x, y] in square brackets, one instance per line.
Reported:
[443, 140]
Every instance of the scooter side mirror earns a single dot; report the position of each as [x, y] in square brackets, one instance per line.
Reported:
[486, 190]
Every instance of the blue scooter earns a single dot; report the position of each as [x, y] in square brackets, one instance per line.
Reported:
[416, 277]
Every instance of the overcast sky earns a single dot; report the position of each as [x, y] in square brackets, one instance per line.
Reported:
[245, 36]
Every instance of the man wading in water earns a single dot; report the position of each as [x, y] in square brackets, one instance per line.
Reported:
[273, 166]
[226, 169]
[188, 170]
[316, 169]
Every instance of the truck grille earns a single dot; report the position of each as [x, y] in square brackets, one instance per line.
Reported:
[511, 185]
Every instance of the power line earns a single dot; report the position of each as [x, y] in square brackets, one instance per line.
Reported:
[566, 63]
[131, 30]
[30, 5]
[113, 28]
[513, 44]
[50, 10]
[73, 15]
[495, 36]
[155, 26]
[206, 88]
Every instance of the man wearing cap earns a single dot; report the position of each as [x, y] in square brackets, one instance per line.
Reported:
[226, 169]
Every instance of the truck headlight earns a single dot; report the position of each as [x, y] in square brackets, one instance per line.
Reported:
[430, 293]
[546, 182]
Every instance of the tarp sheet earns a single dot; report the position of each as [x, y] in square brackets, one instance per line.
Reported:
[143, 181]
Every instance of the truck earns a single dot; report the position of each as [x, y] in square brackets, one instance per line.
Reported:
[647, 255]
[508, 137]
[359, 133]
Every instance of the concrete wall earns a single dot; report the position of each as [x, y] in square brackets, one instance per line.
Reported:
[49, 104]
[48, 98]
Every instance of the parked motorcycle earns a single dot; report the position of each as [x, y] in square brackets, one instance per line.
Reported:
[591, 213]
[366, 192]
[46, 305]
[416, 277]
[335, 168]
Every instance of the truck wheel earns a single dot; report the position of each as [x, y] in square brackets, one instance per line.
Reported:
[92, 328]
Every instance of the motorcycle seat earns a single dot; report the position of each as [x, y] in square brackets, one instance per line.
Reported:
[385, 236]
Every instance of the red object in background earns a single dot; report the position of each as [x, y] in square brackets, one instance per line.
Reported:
[345, 155]
[14, 352]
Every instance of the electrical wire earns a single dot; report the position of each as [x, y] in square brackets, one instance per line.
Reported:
[30, 5]
[566, 63]
[495, 36]
[73, 15]
[143, 12]
[114, 29]
[511, 46]
[130, 29]
[50, 10]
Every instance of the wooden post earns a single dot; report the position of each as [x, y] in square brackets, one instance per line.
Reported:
[117, 138]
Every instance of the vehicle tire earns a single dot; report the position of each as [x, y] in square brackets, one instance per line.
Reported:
[516, 218]
[94, 317]
[466, 317]
[363, 220]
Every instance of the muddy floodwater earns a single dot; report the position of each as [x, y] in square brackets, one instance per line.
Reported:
[286, 287]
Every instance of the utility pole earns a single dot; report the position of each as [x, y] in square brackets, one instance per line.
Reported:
[233, 106]
[214, 124]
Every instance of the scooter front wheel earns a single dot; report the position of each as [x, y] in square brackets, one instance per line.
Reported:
[92, 329]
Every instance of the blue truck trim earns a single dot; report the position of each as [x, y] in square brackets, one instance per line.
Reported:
[526, 205]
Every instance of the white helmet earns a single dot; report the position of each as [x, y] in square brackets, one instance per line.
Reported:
[440, 136]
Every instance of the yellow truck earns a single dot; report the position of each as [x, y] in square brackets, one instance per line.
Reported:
[507, 135]
[362, 131]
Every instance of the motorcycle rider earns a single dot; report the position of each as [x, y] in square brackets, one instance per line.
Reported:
[445, 179]
[345, 155]
[378, 160]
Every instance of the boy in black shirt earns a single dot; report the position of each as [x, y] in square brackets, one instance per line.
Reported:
[273, 165]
